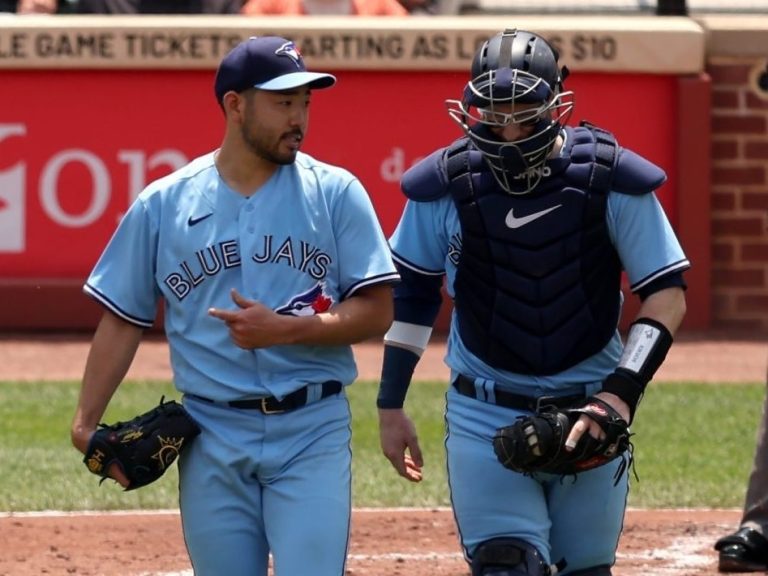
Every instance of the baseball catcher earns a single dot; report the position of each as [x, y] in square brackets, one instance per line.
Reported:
[145, 447]
[530, 223]
[537, 443]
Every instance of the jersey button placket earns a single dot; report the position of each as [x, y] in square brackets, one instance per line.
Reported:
[249, 214]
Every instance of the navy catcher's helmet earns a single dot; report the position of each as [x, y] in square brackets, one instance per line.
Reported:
[520, 50]
[514, 67]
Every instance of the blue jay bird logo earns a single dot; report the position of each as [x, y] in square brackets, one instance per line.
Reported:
[289, 49]
[309, 303]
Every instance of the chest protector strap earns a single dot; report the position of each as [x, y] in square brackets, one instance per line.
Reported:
[537, 288]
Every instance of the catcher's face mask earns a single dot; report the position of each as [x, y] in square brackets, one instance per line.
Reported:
[515, 79]
[514, 120]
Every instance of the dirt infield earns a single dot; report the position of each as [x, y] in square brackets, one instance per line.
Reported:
[384, 542]
[711, 357]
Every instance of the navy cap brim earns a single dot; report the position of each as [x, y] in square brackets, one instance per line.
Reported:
[315, 80]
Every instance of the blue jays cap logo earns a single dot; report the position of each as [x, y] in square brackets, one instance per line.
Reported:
[289, 49]
[313, 301]
[266, 63]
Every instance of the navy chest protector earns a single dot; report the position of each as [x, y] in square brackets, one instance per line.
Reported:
[537, 288]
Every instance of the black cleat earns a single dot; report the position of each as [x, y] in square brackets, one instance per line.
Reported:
[746, 550]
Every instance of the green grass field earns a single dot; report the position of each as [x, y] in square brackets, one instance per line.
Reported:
[693, 445]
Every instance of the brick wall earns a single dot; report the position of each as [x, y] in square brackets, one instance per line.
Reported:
[739, 193]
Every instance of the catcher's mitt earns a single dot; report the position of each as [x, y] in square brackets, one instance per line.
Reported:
[536, 443]
[145, 447]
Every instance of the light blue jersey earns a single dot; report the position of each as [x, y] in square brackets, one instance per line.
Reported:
[307, 240]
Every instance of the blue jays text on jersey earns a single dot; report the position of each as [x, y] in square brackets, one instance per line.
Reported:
[224, 255]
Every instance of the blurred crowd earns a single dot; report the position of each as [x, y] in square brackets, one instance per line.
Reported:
[251, 7]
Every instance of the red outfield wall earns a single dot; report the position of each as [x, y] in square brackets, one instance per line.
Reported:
[76, 146]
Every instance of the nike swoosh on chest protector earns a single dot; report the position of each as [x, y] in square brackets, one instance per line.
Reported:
[513, 222]
[192, 221]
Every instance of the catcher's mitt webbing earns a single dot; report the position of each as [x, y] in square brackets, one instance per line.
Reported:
[647, 345]
[536, 443]
[145, 447]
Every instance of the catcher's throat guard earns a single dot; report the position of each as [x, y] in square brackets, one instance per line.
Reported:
[145, 447]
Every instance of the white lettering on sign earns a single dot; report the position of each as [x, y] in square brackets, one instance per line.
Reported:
[393, 166]
[12, 197]
[100, 192]
[12, 185]
[138, 166]
[101, 189]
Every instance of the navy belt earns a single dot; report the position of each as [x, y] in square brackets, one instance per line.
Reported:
[271, 405]
[466, 387]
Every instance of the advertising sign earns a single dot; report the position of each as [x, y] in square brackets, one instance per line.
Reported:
[78, 146]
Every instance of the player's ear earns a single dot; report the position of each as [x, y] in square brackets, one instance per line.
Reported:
[233, 103]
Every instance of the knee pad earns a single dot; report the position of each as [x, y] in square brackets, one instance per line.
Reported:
[508, 557]
[602, 570]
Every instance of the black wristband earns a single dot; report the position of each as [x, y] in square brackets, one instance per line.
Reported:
[396, 373]
[623, 383]
[647, 345]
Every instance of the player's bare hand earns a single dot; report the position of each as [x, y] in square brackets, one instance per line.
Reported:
[118, 476]
[400, 444]
[251, 324]
[80, 439]
[586, 425]
[412, 470]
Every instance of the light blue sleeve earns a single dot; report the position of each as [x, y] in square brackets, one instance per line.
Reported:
[123, 279]
[364, 256]
[644, 239]
[421, 239]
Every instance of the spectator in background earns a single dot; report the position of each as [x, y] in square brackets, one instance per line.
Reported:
[157, 6]
[432, 7]
[37, 6]
[321, 7]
